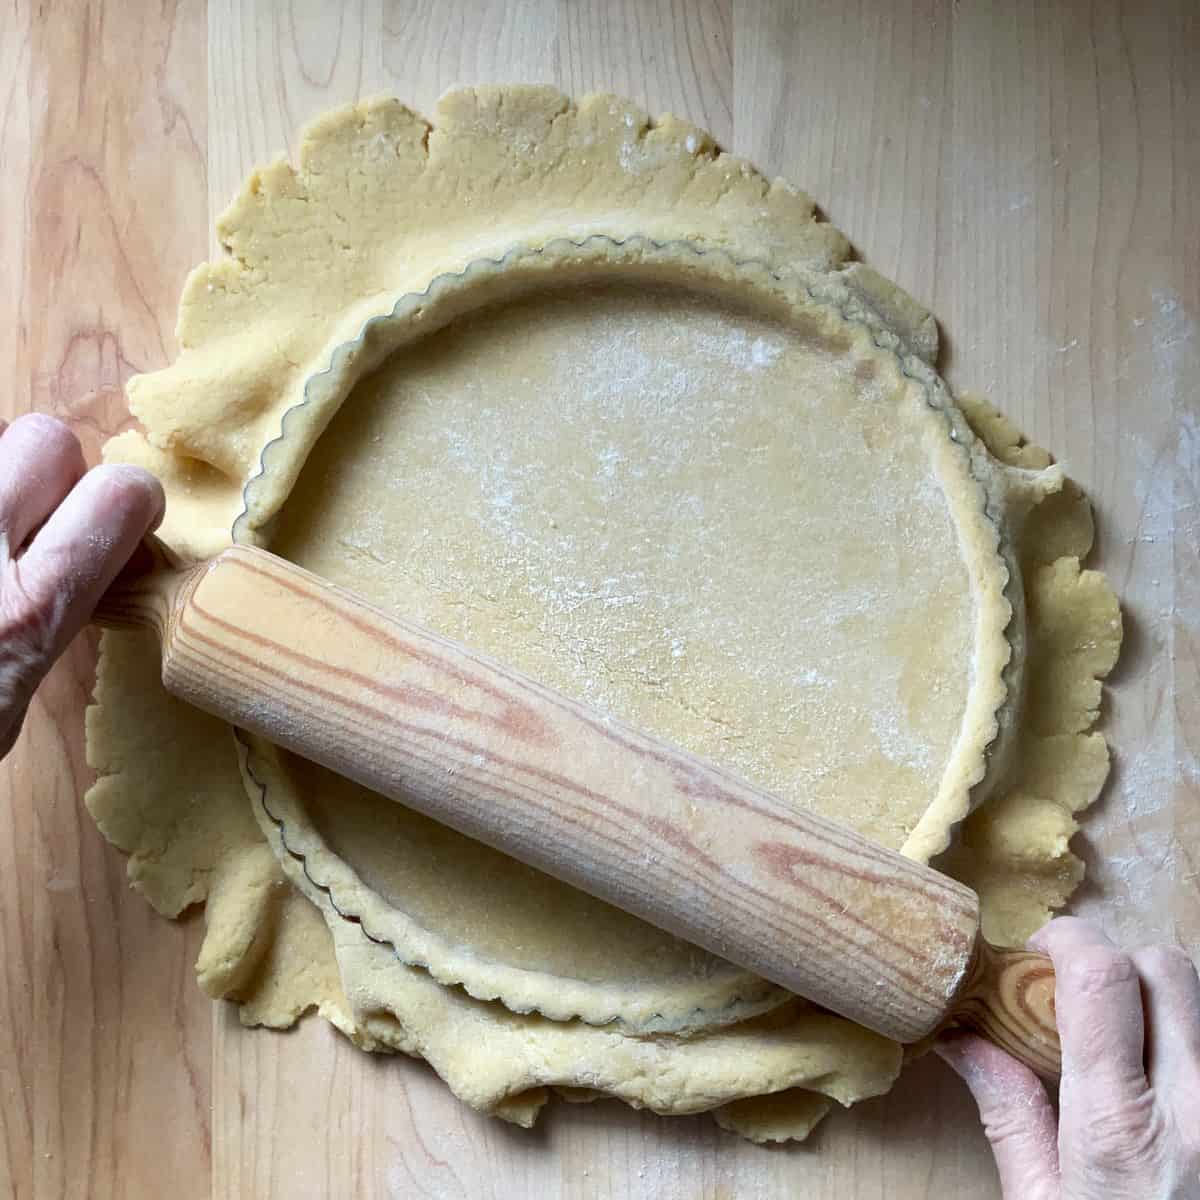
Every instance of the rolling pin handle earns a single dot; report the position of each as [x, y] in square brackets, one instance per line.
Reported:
[147, 591]
[1009, 999]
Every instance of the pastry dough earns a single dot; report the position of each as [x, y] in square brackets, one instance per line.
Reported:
[637, 431]
[576, 481]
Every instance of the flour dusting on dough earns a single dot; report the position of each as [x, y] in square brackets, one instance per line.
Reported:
[685, 514]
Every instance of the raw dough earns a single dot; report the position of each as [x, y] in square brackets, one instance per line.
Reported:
[576, 481]
[550, 479]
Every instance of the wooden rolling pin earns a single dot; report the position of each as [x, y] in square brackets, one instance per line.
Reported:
[685, 845]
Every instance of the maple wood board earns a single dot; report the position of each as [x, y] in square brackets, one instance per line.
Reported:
[1030, 172]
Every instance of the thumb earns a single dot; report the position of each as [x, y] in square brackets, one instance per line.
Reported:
[1017, 1117]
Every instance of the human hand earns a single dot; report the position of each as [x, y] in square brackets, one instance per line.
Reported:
[1129, 1102]
[65, 533]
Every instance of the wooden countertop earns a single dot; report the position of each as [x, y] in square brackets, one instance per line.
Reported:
[1031, 172]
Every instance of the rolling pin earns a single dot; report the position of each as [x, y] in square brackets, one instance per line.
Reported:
[800, 900]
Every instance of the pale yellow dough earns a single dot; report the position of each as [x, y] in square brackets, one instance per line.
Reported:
[638, 431]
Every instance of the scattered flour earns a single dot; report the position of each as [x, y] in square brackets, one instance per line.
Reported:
[1151, 812]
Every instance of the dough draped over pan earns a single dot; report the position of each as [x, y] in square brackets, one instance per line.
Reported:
[635, 426]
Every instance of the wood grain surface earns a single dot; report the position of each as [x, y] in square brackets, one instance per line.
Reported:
[1031, 172]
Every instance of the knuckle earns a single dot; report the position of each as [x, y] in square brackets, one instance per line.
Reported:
[52, 435]
[1126, 1135]
[1096, 970]
[127, 490]
[1166, 960]
[40, 422]
[1003, 1126]
[26, 627]
[1014, 1117]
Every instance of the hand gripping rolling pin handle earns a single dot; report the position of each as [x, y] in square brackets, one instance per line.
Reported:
[650, 828]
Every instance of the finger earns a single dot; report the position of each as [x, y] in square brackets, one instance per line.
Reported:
[1171, 995]
[40, 462]
[82, 547]
[1098, 1005]
[1017, 1116]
